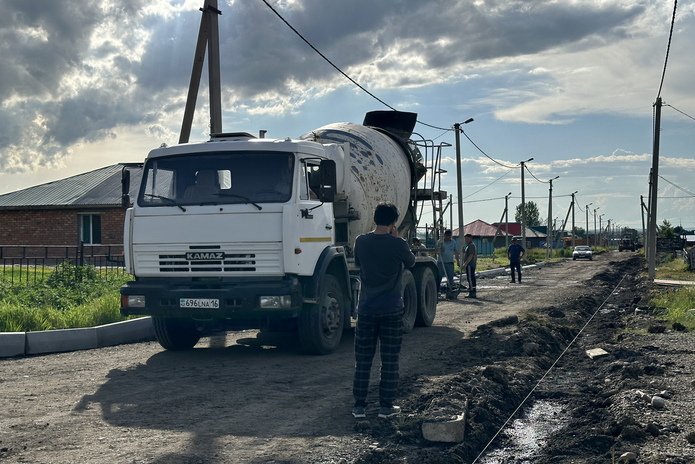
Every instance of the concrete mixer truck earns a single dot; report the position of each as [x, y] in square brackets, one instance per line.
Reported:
[243, 232]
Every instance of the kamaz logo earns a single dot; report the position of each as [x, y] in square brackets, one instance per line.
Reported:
[205, 255]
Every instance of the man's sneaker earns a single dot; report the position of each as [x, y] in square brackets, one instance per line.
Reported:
[358, 412]
[386, 412]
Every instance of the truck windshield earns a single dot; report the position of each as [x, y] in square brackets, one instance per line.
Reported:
[217, 178]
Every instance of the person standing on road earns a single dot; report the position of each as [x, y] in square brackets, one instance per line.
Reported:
[470, 259]
[515, 253]
[381, 256]
[448, 251]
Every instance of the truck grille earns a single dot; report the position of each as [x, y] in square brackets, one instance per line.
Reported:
[255, 259]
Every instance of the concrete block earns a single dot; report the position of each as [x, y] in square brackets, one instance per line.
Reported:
[452, 431]
[596, 353]
[125, 332]
[53, 341]
[12, 344]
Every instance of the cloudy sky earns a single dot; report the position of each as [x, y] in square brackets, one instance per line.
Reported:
[569, 83]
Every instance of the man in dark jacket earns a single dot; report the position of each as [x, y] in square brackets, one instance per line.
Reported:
[515, 253]
[381, 256]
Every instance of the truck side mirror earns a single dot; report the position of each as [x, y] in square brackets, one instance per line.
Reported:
[125, 188]
[328, 184]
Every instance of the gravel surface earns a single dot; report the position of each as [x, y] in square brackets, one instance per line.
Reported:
[247, 397]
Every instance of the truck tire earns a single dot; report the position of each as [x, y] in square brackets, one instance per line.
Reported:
[409, 301]
[321, 324]
[426, 297]
[175, 334]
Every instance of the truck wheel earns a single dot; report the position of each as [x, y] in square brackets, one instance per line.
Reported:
[409, 301]
[175, 334]
[321, 324]
[426, 297]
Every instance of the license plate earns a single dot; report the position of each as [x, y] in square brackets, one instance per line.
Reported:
[211, 303]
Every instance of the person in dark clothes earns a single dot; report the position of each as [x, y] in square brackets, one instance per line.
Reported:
[381, 256]
[470, 260]
[515, 253]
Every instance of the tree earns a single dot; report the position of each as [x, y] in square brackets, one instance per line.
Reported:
[580, 231]
[532, 214]
[665, 230]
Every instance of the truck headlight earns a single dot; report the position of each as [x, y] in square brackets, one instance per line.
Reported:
[135, 301]
[276, 302]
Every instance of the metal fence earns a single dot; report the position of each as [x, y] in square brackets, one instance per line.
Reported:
[32, 263]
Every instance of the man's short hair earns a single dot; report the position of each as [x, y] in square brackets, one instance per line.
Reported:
[385, 214]
[468, 235]
[447, 232]
[416, 240]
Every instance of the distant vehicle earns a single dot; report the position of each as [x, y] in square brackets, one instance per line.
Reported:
[582, 252]
[626, 243]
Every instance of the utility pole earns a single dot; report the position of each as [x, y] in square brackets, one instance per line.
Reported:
[549, 231]
[506, 220]
[523, 204]
[643, 208]
[600, 230]
[208, 37]
[587, 223]
[595, 236]
[608, 234]
[459, 177]
[654, 190]
[574, 233]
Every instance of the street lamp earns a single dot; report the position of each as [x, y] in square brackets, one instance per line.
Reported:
[523, 203]
[549, 229]
[595, 241]
[459, 174]
[587, 223]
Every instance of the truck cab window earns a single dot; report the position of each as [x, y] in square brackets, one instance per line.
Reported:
[222, 178]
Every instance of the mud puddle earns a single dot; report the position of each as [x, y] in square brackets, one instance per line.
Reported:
[525, 437]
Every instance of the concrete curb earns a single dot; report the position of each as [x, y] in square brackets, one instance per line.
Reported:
[55, 341]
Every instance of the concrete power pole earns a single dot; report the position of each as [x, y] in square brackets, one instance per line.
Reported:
[574, 231]
[523, 204]
[651, 256]
[459, 176]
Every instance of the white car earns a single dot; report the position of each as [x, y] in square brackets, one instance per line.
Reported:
[582, 252]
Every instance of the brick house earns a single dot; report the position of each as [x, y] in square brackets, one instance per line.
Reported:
[82, 209]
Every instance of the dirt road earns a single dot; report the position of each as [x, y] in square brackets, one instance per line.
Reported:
[246, 397]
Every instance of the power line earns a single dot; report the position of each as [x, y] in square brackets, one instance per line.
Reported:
[326, 58]
[488, 185]
[340, 70]
[668, 48]
[486, 155]
[678, 187]
[681, 112]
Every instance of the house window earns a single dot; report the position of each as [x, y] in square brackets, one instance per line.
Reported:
[90, 229]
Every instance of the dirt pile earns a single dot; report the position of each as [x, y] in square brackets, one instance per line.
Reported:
[606, 403]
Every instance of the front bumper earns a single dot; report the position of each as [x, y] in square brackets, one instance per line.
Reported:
[237, 298]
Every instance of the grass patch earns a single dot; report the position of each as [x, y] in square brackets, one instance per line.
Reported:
[679, 302]
[69, 297]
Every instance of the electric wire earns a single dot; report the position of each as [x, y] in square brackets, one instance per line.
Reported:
[681, 112]
[444, 129]
[485, 154]
[326, 58]
[532, 175]
[668, 48]
[488, 185]
[548, 371]
[678, 187]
